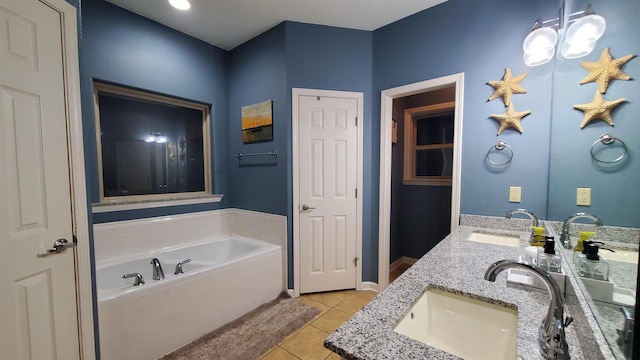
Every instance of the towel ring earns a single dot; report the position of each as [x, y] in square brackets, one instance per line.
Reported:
[608, 139]
[500, 145]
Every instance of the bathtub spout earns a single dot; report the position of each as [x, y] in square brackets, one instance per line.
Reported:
[158, 273]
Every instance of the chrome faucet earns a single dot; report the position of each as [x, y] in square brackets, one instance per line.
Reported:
[158, 273]
[523, 211]
[551, 336]
[138, 278]
[179, 266]
[565, 239]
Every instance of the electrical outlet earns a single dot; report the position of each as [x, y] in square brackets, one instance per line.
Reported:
[583, 197]
[514, 193]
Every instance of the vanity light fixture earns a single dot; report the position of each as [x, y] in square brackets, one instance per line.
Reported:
[180, 4]
[156, 137]
[578, 40]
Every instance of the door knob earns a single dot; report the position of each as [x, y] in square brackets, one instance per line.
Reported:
[59, 246]
[306, 207]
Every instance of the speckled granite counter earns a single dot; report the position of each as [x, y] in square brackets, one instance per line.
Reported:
[458, 265]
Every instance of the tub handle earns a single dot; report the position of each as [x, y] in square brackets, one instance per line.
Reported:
[138, 278]
[179, 266]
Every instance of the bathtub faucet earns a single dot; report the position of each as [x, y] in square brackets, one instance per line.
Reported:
[138, 278]
[158, 273]
[179, 266]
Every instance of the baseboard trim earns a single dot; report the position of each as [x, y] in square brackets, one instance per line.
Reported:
[369, 286]
[401, 261]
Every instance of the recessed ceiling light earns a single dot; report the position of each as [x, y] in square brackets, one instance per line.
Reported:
[180, 4]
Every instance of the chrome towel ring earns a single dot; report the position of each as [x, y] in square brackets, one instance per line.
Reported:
[608, 139]
[500, 145]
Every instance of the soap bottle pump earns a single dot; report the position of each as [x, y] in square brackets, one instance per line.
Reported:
[579, 249]
[547, 258]
[537, 236]
[593, 267]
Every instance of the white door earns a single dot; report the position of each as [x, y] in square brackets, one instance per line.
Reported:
[38, 313]
[328, 161]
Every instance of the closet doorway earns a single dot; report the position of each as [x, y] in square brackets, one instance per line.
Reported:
[420, 171]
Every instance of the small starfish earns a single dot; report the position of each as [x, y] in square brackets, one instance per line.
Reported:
[598, 108]
[605, 70]
[508, 86]
[510, 118]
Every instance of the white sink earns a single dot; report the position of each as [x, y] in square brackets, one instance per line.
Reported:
[465, 327]
[497, 239]
[628, 256]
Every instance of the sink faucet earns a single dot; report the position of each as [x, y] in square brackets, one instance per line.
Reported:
[523, 211]
[565, 239]
[158, 273]
[551, 336]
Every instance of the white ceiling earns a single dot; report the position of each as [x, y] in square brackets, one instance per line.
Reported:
[229, 23]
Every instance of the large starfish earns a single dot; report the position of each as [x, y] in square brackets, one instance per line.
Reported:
[598, 108]
[605, 70]
[510, 118]
[508, 86]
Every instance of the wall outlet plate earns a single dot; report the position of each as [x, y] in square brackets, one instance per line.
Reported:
[583, 197]
[515, 193]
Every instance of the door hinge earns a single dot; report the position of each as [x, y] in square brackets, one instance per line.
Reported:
[355, 261]
[356, 121]
[356, 193]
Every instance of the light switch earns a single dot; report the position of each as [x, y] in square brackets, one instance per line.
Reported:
[584, 197]
[514, 193]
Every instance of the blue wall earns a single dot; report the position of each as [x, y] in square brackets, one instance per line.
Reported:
[615, 193]
[124, 48]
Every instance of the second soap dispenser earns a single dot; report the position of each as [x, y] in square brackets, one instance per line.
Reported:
[547, 258]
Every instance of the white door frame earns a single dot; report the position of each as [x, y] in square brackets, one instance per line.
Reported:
[386, 109]
[75, 149]
[295, 158]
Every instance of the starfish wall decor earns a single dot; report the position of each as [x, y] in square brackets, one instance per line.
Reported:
[598, 108]
[605, 70]
[510, 119]
[506, 87]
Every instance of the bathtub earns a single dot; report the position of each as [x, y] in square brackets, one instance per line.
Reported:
[226, 278]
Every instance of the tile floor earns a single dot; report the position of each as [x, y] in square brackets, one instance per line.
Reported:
[335, 307]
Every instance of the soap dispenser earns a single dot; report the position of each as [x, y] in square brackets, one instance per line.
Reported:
[537, 236]
[579, 249]
[592, 266]
[547, 258]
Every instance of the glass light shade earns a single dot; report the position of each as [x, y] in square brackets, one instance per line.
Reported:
[586, 29]
[180, 4]
[576, 49]
[538, 58]
[539, 41]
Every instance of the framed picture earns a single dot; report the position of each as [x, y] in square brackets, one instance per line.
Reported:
[257, 122]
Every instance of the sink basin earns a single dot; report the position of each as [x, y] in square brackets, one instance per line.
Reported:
[462, 326]
[497, 239]
[628, 256]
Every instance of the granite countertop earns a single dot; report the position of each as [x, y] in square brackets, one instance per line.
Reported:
[458, 265]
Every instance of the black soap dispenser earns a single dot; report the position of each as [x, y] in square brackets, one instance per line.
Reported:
[593, 266]
[547, 258]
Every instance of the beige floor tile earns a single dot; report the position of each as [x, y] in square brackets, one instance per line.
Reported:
[331, 321]
[352, 304]
[331, 298]
[333, 356]
[366, 294]
[279, 353]
[316, 304]
[307, 344]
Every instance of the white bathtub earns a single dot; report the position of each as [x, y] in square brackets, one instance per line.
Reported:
[226, 278]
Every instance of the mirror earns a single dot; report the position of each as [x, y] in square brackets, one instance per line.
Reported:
[150, 146]
[614, 192]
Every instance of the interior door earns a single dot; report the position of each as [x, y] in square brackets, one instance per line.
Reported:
[38, 312]
[328, 145]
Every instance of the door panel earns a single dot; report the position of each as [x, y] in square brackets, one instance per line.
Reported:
[38, 313]
[328, 143]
